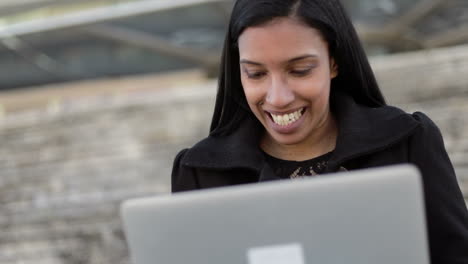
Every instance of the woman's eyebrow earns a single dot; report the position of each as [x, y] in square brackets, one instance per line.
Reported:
[250, 62]
[302, 57]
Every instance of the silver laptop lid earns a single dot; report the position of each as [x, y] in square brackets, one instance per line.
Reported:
[366, 217]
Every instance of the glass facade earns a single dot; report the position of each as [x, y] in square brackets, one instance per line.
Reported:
[164, 40]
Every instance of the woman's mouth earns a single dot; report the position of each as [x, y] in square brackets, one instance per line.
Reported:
[288, 118]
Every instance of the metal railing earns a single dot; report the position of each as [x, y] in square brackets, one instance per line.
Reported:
[94, 16]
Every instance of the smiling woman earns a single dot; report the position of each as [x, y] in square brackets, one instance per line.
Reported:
[287, 87]
[297, 98]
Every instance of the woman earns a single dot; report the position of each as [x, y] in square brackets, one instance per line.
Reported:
[297, 98]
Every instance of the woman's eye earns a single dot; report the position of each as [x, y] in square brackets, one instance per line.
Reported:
[255, 75]
[301, 72]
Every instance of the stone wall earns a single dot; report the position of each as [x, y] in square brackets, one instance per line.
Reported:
[65, 169]
[436, 83]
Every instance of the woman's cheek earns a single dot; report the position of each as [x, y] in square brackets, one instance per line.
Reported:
[253, 94]
[312, 88]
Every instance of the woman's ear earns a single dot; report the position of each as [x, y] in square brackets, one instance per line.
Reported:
[333, 68]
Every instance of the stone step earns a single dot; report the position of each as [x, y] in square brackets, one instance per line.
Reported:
[145, 127]
[77, 152]
[36, 250]
[140, 156]
[80, 249]
[70, 213]
[422, 75]
[72, 207]
[172, 99]
[60, 229]
[88, 175]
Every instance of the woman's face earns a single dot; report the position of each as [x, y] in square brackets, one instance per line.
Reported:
[286, 73]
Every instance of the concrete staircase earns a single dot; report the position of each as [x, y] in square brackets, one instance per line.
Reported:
[66, 168]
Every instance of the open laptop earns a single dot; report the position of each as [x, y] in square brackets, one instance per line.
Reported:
[363, 217]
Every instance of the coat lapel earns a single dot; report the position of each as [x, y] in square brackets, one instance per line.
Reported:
[238, 150]
[363, 130]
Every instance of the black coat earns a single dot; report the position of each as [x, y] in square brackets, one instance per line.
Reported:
[367, 137]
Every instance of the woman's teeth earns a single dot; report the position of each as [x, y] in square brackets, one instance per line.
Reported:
[287, 119]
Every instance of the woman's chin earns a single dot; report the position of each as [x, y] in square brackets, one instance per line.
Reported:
[285, 139]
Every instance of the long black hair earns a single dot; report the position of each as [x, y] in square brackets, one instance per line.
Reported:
[355, 75]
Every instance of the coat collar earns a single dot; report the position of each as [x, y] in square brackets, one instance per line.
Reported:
[362, 130]
[237, 150]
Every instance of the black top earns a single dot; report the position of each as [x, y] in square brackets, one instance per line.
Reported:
[297, 169]
[367, 138]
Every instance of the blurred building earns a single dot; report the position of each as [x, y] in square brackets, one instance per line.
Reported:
[112, 39]
[50, 41]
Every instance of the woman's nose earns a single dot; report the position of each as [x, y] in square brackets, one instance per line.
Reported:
[279, 93]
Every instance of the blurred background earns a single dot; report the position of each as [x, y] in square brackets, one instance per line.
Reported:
[97, 97]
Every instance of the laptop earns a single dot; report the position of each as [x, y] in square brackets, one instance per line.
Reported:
[363, 217]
